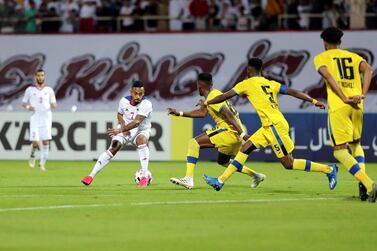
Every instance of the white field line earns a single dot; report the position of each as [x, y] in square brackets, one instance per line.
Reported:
[157, 203]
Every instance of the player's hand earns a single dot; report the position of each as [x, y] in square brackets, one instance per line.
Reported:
[320, 105]
[352, 101]
[246, 137]
[201, 103]
[172, 111]
[30, 108]
[113, 131]
[357, 99]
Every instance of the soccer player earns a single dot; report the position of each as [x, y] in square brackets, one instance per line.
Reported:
[226, 137]
[341, 70]
[262, 94]
[39, 99]
[134, 117]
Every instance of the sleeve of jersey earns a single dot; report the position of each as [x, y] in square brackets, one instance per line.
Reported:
[26, 97]
[318, 62]
[280, 88]
[239, 88]
[120, 107]
[52, 97]
[145, 109]
[216, 107]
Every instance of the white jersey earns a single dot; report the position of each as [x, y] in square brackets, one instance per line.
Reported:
[40, 100]
[129, 112]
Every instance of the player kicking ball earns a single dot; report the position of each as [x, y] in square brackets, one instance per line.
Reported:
[134, 117]
[262, 95]
[227, 137]
[39, 100]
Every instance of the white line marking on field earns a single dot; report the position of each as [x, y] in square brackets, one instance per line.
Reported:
[158, 203]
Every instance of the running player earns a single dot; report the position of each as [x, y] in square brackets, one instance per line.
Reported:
[345, 93]
[134, 117]
[262, 94]
[226, 137]
[39, 99]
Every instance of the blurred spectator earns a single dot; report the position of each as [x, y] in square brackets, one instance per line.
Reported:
[151, 10]
[176, 10]
[105, 14]
[163, 10]
[304, 9]
[87, 16]
[316, 10]
[213, 12]
[69, 12]
[127, 12]
[7, 15]
[30, 16]
[291, 9]
[139, 23]
[272, 11]
[330, 16]
[199, 11]
[371, 10]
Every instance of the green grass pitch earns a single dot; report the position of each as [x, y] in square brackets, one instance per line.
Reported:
[291, 210]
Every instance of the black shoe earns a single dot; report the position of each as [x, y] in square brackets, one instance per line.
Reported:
[363, 195]
[373, 195]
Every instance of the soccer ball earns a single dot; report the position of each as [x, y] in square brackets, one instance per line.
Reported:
[139, 175]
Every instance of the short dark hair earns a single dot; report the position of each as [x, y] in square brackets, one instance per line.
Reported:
[39, 70]
[332, 35]
[206, 78]
[256, 63]
[137, 83]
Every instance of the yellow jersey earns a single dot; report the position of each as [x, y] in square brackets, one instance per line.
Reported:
[344, 67]
[262, 94]
[215, 111]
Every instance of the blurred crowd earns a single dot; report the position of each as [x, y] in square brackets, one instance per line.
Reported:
[86, 16]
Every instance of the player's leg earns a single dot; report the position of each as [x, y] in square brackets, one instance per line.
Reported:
[34, 138]
[141, 142]
[44, 154]
[105, 157]
[256, 178]
[45, 136]
[341, 131]
[194, 146]
[34, 147]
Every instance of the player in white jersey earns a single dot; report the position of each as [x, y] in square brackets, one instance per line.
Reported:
[39, 99]
[134, 117]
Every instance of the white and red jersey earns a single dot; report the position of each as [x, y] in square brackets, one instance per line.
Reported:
[130, 111]
[40, 100]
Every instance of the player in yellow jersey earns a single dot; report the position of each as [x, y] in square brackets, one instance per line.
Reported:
[262, 94]
[226, 137]
[345, 93]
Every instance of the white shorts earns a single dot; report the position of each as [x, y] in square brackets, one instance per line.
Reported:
[40, 133]
[131, 138]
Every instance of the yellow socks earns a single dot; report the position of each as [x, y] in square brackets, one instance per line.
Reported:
[358, 153]
[245, 169]
[236, 165]
[353, 167]
[309, 166]
[192, 157]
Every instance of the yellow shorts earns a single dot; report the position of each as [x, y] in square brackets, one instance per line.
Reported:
[345, 125]
[224, 140]
[277, 135]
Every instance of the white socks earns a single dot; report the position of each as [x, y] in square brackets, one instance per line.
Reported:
[43, 155]
[143, 151]
[102, 161]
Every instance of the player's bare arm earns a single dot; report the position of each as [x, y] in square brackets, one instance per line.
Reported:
[198, 113]
[221, 98]
[334, 85]
[133, 124]
[305, 97]
[229, 117]
[27, 106]
[54, 105]
[121, 120]
[367, 72]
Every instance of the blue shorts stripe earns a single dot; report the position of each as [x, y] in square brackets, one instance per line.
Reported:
[279, 141]
[192, 160]
[237, 164]
[360, 159]
[354, 169]
[308, 165]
